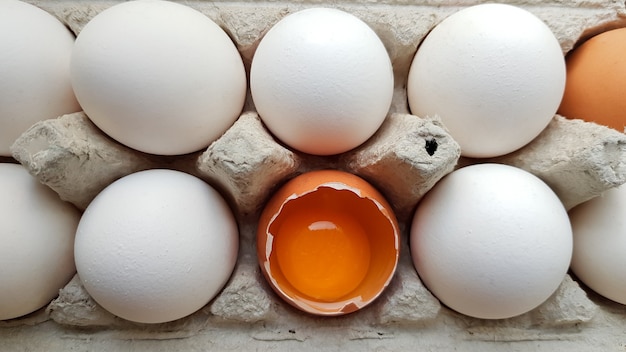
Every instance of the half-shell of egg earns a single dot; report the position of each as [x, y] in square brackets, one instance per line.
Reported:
[328, 242]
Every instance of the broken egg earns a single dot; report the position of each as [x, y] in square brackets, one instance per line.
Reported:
[328, 242]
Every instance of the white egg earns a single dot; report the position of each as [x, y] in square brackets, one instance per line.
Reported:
[157, 76]
[37, 234]
[322, 81]
[599, 255]
[35, 51]
[494, 73]
[156, 246]
[491, 241]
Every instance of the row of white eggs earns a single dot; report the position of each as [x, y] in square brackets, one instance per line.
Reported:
[163, 78]
[490, 241]
[489, 288]
[154, 246]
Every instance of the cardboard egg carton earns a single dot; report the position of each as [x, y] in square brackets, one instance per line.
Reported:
[404, 160]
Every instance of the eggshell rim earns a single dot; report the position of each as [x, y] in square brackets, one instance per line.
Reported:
[264, 252]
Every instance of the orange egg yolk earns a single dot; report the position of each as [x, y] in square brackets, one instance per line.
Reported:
[324, 256]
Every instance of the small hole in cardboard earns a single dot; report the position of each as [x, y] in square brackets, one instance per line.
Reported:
[431, 146]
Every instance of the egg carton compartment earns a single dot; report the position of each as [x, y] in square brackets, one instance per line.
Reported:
[404, 160]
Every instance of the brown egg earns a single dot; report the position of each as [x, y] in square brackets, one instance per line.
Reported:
[595, 88]
[328, 242]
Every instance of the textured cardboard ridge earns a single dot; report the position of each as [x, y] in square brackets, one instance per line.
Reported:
[73, 157]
